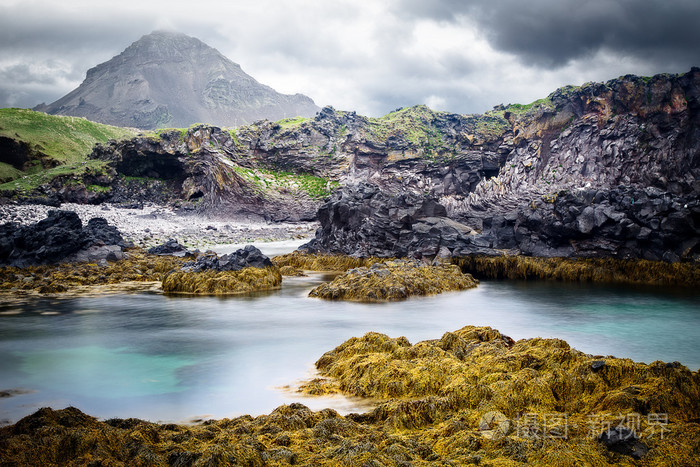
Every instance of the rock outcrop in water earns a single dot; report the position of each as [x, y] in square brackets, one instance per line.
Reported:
[59, 237]
[245, 270]
[394, 280]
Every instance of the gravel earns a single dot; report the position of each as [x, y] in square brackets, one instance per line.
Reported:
[153, 225]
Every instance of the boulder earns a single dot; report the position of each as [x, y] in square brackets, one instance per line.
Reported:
[170, 248]
[249, 256]
[57, 238]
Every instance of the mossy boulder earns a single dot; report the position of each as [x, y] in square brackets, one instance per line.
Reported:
[212, 282]
[394, 280]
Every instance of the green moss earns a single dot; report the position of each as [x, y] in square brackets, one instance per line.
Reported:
[265, 180]
[287, 123]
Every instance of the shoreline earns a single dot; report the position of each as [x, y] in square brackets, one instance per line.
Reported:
[153, 224]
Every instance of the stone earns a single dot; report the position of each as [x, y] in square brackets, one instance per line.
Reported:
[624, 441]
[248, 256]
[60, 237]
[172, 248]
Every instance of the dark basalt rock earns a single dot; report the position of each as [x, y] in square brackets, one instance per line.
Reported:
[170, 248]
[59, 237]
[622, 440]
[364, 220]
[246, 257]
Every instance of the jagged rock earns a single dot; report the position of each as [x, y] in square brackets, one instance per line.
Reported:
[171, 248]
[249, 256]
[59, 237]
[364, 220]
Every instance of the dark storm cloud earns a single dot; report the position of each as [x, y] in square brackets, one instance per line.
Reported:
[552, 33]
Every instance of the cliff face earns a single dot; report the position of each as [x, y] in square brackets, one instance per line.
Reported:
[172, 80]
[602, 170]
[605, 169]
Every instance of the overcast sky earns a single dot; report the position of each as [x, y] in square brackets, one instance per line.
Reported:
[368, 56]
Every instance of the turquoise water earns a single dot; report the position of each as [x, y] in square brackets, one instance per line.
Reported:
[181, 358]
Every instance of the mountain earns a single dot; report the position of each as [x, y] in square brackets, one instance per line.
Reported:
[169, 79]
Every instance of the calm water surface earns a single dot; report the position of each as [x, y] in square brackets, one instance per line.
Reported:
[167, 358]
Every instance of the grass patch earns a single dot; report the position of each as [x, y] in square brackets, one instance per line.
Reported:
[27, 183]
[8, 172]
[293, 122]
[66, 139]
[266, 180]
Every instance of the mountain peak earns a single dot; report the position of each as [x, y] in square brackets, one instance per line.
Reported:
[169, 79]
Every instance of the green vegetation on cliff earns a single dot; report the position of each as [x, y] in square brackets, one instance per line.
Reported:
[265, 180]
[64, 139]
[40, 146]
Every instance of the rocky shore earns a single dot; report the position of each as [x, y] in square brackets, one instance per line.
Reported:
[148, 225]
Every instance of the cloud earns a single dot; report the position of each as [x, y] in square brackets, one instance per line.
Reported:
[549, 33]
[456, 55]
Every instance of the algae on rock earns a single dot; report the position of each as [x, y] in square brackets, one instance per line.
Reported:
[394, 280]
[212, 282]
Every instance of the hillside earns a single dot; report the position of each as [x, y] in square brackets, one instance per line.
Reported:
[38, 146]
[172, 80]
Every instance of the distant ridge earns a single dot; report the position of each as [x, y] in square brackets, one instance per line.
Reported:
[168, 79]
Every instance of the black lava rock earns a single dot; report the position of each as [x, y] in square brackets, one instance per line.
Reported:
[243, 258]
[59, 237]
[622, 440]
[170, 248]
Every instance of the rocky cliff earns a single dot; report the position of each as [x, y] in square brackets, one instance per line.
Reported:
[607, 169]
[604, 169]
[173, 80]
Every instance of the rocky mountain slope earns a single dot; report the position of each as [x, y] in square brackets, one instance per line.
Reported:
[172, 80]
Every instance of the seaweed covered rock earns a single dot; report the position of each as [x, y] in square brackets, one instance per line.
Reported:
[441, 412]
[226, 282]
[394, 280]
[135, 266]
[301, 259]
[479, 368]
[607, 270]
[247, 257]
